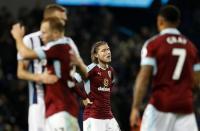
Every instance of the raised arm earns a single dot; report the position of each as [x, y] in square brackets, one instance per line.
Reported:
[18, 32]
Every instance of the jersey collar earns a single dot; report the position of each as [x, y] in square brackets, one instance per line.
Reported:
[170, 31]
[102, 67]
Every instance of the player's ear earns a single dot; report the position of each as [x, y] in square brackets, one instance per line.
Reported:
[96, 55]
[55, 33]
[160, 22]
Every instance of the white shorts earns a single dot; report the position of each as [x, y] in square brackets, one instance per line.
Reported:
[154, 120]
[36, 115]
[62, 121]
[92, 124]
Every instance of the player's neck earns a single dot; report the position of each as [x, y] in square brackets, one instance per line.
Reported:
[103, 65]
[166, 26]
[58, 35]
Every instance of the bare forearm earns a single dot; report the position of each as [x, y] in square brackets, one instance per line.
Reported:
[197, 79]
[139, 92]
[141, 85]
[24, 51]
[25, 75]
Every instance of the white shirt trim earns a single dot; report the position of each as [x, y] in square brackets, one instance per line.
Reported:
[170, 31]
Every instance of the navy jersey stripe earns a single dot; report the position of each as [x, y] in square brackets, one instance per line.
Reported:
[33, 71]
[43, 67]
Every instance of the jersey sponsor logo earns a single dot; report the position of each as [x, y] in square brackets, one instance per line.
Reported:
[103, 89]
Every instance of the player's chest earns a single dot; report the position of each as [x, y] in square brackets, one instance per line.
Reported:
[102, 79]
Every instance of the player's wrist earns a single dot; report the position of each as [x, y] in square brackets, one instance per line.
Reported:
[38, 78]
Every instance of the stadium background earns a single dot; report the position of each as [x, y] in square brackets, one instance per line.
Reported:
[125, 29]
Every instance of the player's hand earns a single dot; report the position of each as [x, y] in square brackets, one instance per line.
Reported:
[18, 31]
[48, 78]
[87, 102]
[134, 118]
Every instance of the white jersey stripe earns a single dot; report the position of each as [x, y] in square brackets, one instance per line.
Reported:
[34, 96]
[87, 86]
[57, 68]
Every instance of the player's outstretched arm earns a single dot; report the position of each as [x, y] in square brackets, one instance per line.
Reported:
[18, 32]
[140, 89]
[45, 78]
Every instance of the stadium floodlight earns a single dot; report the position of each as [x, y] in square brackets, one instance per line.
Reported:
[115, 3]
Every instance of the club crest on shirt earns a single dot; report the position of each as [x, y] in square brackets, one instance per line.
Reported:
[99, 73]
[109, 74]
[105, 82]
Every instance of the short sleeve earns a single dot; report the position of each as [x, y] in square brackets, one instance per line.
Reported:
[147, 54]
[40, 52]
[196, 65]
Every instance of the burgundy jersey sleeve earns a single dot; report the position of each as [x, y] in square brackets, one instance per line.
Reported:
[79, 90]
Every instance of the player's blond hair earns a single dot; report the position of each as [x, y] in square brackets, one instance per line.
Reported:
[51, 8]
[95, 49]
[55, 24]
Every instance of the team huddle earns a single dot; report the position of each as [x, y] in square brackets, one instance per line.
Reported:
[56, 72]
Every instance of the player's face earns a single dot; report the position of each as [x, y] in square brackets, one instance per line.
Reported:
[47, 34]
[104, 53]
[60, 15]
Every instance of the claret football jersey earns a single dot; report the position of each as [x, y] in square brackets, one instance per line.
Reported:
[98, 87]
[174, 59]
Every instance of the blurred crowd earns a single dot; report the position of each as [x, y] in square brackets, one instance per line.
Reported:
[86, 25]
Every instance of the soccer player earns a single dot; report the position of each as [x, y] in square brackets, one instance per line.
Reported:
[31, 69]
[59, 101]
[172, 59]
[98, 85]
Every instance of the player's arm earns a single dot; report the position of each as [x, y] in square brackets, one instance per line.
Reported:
[197, 79]
[18, 32]
[80, 90]
[78, 61]
[140, 89]
[23, 73]
[196, 69]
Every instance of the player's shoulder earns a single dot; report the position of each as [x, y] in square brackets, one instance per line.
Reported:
[32, 35]
[151, 41]
[69, 40]
[91, 67]
[61, 41]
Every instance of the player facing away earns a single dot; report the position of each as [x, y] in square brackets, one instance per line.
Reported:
[59, 101]
[98, 85]
[31, 70]
[173, 60]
